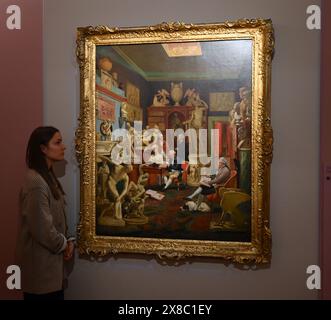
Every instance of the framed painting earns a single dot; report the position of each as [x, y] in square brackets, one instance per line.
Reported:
[155, 176]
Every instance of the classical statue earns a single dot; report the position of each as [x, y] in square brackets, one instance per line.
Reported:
[146, 136]
[106, 130]
[118, 182]
[131, 131]
[245, 103]
[124, 116]
[134, 203]
[235, 114]
[197, 118]
[161, 98]
[103, 174]
[240, 121]
[151, 135]
[134, 137]
[115, 79]
[193, 98]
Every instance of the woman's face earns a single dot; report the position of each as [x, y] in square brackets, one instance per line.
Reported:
[54, 150]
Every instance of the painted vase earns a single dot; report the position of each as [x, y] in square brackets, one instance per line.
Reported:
[177, 92]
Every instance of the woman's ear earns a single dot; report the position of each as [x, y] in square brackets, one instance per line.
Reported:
[43, 148]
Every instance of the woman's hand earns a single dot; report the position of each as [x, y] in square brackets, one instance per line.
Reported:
[69, 250]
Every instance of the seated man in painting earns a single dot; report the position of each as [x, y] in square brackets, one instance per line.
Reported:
[207, 184]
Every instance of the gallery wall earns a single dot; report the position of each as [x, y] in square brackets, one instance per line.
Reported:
[294, 175]
[21, 91]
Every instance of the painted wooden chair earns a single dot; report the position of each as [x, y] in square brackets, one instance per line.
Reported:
[235, 214]
[230, 183]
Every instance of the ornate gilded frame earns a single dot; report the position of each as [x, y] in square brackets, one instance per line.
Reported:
[260, 31]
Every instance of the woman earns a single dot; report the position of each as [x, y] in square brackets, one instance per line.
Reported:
[42, 244]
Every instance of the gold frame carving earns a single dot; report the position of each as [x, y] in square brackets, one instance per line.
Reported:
[258, 251]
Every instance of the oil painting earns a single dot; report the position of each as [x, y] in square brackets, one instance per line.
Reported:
[174, 140]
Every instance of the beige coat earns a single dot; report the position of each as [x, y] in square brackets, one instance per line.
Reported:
[42, 237]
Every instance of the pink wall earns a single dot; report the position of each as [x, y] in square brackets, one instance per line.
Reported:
[325, 153]
[21, 110]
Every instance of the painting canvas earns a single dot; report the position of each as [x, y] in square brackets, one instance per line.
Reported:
[174, 140]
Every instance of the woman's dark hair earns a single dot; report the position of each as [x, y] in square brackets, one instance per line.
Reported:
[35, 158]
